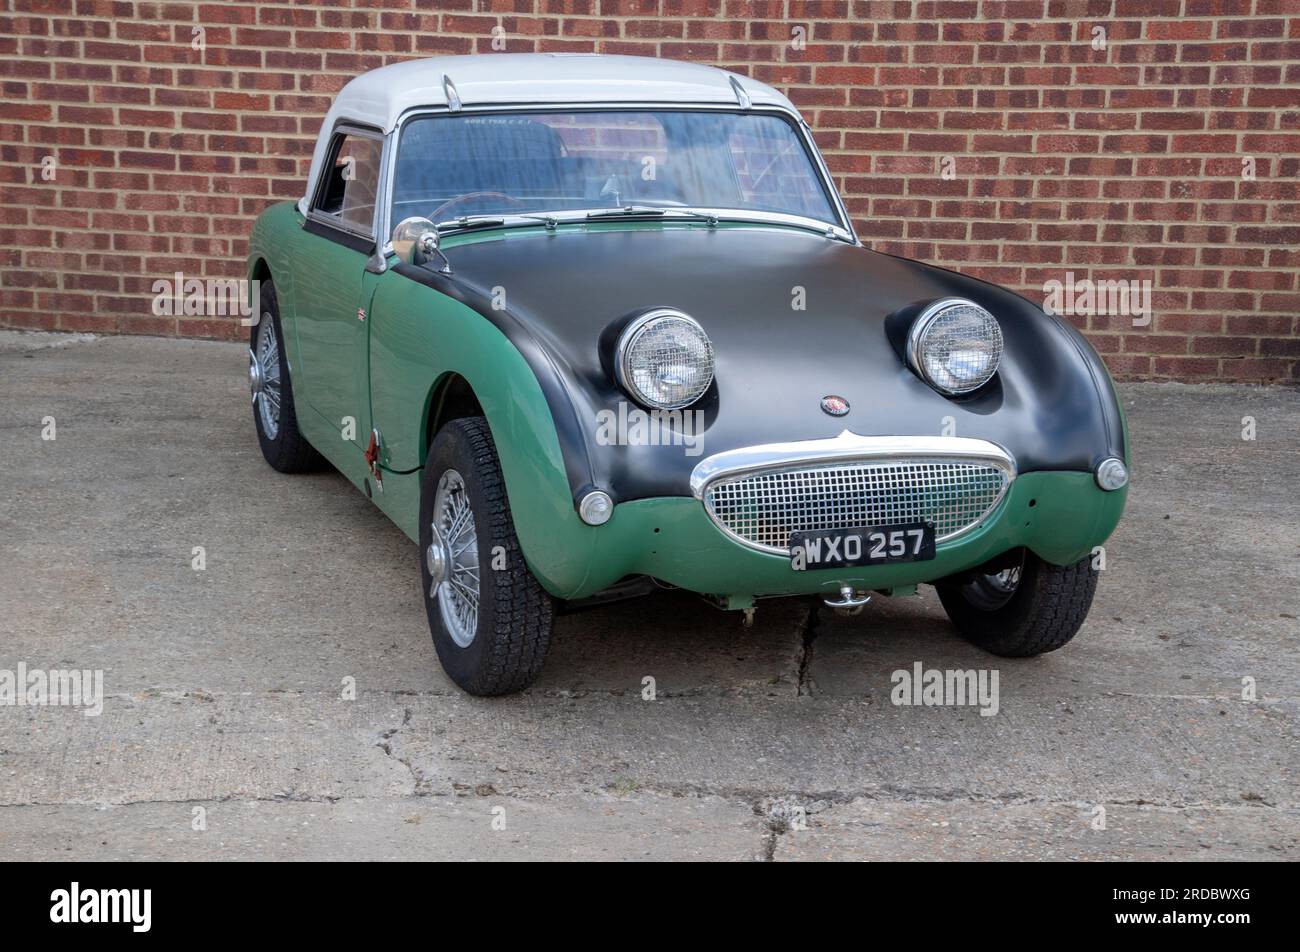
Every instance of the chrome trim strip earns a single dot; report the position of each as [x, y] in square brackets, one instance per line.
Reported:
[829, 181]
[384, 206]
[844, 448]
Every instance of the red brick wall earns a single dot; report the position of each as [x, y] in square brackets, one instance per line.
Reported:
[1116, 163]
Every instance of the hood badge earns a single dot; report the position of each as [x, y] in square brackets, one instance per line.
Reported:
[835, 405]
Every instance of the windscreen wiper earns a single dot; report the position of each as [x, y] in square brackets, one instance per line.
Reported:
[495, 221]
[625, 211]
[472, 221]
[466, 222]
[649, 211]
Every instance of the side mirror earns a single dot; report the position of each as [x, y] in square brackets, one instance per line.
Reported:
[415, 241]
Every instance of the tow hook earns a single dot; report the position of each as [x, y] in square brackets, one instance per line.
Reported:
[848, 603]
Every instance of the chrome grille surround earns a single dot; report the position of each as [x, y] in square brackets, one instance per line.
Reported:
[759, 495]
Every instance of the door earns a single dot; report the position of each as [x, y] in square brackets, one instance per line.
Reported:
[331, 288]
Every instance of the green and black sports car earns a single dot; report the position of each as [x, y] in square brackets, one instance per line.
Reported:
[586, 325]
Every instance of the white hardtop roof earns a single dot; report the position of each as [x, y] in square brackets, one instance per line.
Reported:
[380, 97]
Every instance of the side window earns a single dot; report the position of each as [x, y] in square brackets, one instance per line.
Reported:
[352, 182]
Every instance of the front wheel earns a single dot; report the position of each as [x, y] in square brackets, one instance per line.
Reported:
[490, 618]
[1026, 607]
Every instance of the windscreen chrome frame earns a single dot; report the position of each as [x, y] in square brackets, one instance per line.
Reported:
[842, 230]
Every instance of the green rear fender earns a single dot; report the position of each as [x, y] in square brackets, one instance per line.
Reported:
[418, 337]
[271, 248]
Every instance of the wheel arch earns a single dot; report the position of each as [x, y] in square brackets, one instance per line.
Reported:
[259, 269]
[555, 545]
[451, 397]
[272, 247]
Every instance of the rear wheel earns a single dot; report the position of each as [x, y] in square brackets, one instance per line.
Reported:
[283, 445]
[490, 618]
[1023, 607]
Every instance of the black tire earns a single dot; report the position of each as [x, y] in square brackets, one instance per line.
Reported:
[1044, 611]
[515, 614]
[288, 450]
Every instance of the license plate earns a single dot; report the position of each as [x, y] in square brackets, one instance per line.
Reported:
[873, 545]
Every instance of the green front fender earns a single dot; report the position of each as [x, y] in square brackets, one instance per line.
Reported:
[417, 337]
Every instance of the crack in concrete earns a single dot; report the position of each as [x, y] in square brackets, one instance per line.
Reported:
[756, 798]
[418, 783]
[776, 813]
[804, 682]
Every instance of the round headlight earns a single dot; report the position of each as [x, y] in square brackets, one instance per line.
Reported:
[955, 346]
[665, 360]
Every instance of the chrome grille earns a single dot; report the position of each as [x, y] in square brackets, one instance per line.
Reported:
[763, 508]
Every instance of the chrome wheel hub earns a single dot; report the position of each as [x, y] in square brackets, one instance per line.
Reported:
[436, 558]
[1007, 579]
[264, 376]
[452, 559]
[254, 374]
[992, 591]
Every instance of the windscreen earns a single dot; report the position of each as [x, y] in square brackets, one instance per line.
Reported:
[534, 163]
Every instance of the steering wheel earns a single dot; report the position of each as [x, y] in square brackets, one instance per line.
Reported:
[440, 213]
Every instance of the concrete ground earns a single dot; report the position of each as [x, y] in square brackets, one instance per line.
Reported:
[223, 687]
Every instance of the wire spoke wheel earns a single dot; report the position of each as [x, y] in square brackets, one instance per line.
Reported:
[491, 630]
[453, 559]
[264, 376]
[284, 446]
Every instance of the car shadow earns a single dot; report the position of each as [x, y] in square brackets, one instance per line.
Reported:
[795, 647]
